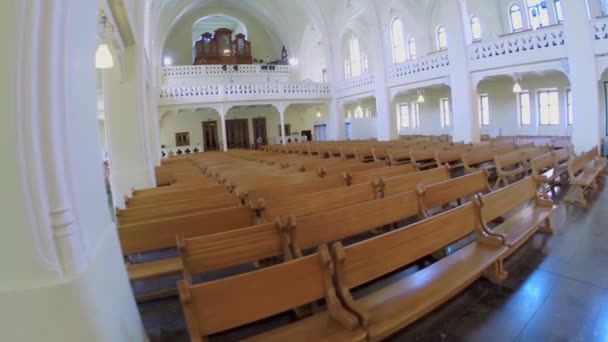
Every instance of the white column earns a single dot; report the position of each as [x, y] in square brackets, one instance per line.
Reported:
[465, 121]
[127, 129]
[281, 108]
[583, 76]
[59, 249]
[222, 112]
[385, 117]
[336, 120]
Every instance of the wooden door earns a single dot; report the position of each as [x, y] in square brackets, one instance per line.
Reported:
[308, 135]
[210, 138]
[182, 139]
[237, 133]
[259, 130]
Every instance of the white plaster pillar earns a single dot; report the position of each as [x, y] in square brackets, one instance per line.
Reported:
[385, 118]
[465, 117]
[336, 120]
[127, 129]
[222, 111]
[60, 260]
[583, 76]
[281, 108]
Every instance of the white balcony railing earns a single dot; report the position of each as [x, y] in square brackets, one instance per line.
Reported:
[519, 48]
[427, 67]
[235, 92]
[600, 34]
[357, 85]
[185, 71]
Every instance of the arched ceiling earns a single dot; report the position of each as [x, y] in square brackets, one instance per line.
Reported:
[285, 19]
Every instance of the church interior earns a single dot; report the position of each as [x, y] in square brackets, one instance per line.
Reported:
[311, 170]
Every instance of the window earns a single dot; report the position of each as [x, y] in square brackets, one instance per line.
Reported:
[368, 113]
[358, 112]
[569, 106]
[444, 105]
[349, 114]
[397, 41]
[365, 62]
[517, 23]
[411, 46]
[559, 14]
[182, 139]
[355, 57]
[538, 13]
[415, 114]
[484, 109]
[604, 7]
[548, 107]
[476, 28]
[404, 115]
[442, 38]
[524, 108]
[347, 73]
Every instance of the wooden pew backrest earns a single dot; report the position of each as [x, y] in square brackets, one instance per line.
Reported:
[395, 185]
[502, 201]
[231, 302]
[438, 194]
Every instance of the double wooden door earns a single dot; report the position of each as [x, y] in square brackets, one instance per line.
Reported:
[210, 137]
[237, 133]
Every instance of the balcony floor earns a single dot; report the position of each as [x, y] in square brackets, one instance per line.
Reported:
[557, 290]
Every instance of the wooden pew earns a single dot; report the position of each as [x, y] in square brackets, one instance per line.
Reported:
[353, 178]
[532, 213]
[396, 185]
[173, 196]
[364, 153]
[399, 156]
[460, 190]
[224, 304]
[508, 166]
[584, 172]
[550, 168]
[424, 159]
[177, 208]
[380, 153]
[393, 307]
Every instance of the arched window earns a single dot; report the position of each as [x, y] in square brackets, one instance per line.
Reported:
[411, 47]
[355, 57]
[442, 38]
[347, 73]
[538, 13]
[365, 61]
[559, 14]
[517, 23]
[476, 28]
[397, 41]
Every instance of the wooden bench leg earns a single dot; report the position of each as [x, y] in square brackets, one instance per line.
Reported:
[496, 273]
[576, 194]
[546, 227]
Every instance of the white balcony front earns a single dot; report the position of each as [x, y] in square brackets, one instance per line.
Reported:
[243, 92]
[242, 73]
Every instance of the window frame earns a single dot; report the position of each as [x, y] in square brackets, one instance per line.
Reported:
[559, 13]
[398, 41]
[520, 107]
[364, 62]
[484, 120]
[415, 114]
[347, 71]
[549, 91]
[569, 108]
[439, 33]
[411, 41]
[355, 57]
[539, 8]
[445, 112]
[404, 123]
[521, 18]
[475, 21]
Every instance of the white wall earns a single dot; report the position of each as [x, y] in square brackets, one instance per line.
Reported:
[179, 41]
[430, 122]
[504, 108]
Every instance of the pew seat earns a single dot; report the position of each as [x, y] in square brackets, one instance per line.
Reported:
[403, 302]
[519, 228]
[154, 269]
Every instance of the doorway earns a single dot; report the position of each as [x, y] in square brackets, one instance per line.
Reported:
[307, 134]
[259, 130]
[210, 140]
[237, 133]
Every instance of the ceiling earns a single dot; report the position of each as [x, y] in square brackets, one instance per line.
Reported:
[212, 23]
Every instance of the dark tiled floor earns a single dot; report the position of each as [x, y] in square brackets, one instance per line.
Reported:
[557, 290]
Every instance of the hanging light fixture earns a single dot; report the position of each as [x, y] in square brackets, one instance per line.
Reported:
[318, 113]
[103, 56]
[420, 97]
[516, 87]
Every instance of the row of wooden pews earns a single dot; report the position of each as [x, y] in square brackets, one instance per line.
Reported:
[331, 273]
